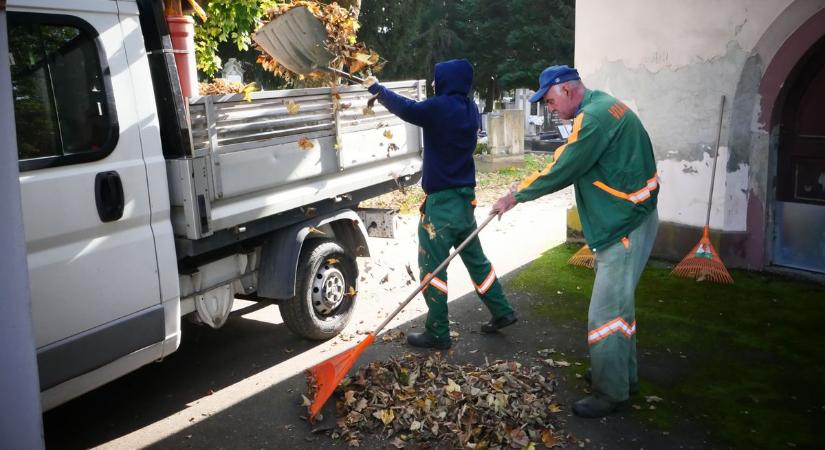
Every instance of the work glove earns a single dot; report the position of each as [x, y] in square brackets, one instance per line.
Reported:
[505, 203]
[369, 81]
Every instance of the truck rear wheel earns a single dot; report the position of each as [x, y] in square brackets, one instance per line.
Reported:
[325, 288]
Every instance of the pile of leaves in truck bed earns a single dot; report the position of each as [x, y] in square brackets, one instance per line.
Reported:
[341, 25]
[220, 86]
[421, 400]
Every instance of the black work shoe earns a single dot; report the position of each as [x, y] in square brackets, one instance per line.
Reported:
[426, 340]
[498, 323]
[594, 407]
[633, 390]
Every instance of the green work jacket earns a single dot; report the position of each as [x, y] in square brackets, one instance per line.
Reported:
[608, 157]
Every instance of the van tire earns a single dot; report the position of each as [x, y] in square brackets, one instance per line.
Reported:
[325, 281]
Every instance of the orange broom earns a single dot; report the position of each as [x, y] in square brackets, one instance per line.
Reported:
[329, 373]
[703, 262]
[583, 258]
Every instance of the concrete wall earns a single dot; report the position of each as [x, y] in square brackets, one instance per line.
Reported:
[671, 61]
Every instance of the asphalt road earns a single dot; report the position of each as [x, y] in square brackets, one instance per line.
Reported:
[239, 387]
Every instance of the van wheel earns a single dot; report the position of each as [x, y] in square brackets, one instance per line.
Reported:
[325, 284]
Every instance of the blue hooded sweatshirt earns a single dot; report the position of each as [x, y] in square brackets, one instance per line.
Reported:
[450, 121]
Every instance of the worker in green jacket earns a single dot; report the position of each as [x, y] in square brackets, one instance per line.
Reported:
[609, 159]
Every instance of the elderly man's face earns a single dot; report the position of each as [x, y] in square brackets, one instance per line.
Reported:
[560, 98]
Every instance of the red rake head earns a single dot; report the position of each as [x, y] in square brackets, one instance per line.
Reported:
[702, 263]
[329, 373]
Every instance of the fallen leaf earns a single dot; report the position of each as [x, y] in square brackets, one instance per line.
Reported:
[332, 261]
[384, 415]
[548, 439]
[315, 230]
[388, 134]
[349, 397]
[451, 386]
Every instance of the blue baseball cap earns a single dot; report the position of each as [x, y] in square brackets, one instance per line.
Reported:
[551, 76]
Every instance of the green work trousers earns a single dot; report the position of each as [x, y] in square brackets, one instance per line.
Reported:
[612, 315]
[447, 220]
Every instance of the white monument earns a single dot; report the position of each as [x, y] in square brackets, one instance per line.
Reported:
[233, 71]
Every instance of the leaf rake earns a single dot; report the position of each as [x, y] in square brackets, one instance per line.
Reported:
[583, 258]
[326, 376]
[703, 262]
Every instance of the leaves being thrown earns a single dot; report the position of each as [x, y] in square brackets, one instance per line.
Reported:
[292, 108]
[341, 26]
[305, 144]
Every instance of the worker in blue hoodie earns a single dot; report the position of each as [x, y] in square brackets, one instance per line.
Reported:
[450, 121]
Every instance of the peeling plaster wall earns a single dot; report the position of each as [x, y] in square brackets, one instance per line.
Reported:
[671, 61]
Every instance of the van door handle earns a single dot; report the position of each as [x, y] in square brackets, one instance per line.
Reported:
[109, 196]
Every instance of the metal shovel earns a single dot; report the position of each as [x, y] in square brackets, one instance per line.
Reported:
[296, 40]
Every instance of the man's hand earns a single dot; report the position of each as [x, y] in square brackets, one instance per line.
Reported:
[369, 81]
[504, 204]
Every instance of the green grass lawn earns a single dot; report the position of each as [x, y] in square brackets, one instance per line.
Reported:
[749, 358]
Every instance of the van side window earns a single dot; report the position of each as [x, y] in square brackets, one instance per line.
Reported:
[62, 99]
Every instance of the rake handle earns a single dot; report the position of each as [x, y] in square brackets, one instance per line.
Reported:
[346, 75]
[430, 276]
[715, 157]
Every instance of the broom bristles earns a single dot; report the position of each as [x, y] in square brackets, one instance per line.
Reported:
[583, 258]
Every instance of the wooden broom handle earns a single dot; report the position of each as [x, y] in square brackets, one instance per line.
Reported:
[430, 276]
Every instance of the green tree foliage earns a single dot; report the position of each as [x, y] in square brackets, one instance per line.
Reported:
[411, 35]
[227, 21]
[509, 43]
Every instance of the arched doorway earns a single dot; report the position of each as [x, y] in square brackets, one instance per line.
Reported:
[799, 209]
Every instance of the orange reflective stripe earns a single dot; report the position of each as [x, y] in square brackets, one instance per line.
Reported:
[438, 283]
[574, 136]
[616, 325]
[487, 283]
[610, 190]
[635, 197]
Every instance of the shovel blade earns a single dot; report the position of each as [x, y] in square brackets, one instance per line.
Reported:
[296, 40]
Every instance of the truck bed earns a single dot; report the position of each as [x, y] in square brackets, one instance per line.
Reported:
[255, 159]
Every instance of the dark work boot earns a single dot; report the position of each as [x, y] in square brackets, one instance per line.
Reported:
[593, 407]
[426, 340]
[633, 390]
[498, 323]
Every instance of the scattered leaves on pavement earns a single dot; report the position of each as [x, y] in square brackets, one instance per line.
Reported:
[416, 401]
